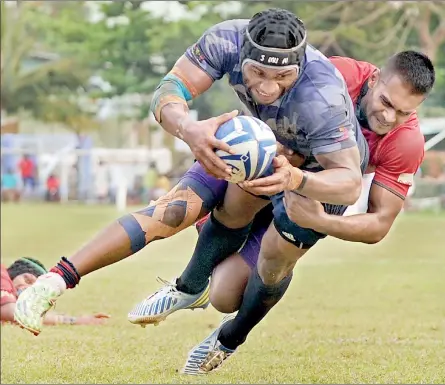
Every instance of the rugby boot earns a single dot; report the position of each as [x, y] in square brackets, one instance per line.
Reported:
[35, 301]
[208, 355]
[158, 306]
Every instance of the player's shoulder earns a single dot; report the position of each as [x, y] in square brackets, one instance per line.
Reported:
[351, 67]
[319, 69]
[321, 81]
[408, 135]
[8, 293]
[4, 277]
[227, 34]
[3, 269]
[405, 145]
[232, 25]
[218, 49]
[320, 97]
[354, 72]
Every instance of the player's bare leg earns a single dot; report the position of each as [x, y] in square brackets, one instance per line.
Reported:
[229, 280]
[161, 219]
[170, 214]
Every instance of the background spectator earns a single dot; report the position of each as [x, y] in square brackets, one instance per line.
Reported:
[102, 182]
[27, 171]
[162, 187]
[10, 191]
[53, 188]
[150, 180]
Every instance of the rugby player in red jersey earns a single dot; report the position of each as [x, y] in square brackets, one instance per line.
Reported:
[386, 100]
[22, 274]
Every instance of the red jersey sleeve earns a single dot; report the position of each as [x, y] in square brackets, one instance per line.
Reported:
[355, 73]
[399, 159]
[8, 292]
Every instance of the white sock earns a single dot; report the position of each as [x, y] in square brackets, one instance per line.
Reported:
[55, 280]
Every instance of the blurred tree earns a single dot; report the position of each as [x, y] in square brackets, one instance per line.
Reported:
[370, 31]
[132, 49]
[67, 108]
[128, 61]
[27, 70]
[429, 25]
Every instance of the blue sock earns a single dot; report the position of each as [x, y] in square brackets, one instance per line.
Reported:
[216, 242]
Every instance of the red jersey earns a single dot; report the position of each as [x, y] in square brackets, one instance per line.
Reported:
[26, 168]
[396, 156]
[7, 289]
[52, 183]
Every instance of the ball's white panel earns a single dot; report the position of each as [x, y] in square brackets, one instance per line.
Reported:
[254, 145]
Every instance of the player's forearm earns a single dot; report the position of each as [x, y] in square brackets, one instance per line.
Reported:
[336, 186]
[365, 228]
[57, 319]
[173, 117]
[169, 103]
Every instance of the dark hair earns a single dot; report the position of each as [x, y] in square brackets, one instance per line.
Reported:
[415, 68]
[277, 28]
[26, 265]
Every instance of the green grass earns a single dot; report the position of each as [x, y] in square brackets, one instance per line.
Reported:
[353, 314]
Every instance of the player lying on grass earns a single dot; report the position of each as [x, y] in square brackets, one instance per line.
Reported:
[22, 274]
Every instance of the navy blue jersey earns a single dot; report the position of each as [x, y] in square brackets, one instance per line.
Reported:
[316, 116]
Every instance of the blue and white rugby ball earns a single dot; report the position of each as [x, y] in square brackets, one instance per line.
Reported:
[254, 144]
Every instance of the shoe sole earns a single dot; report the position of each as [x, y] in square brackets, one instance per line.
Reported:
[156, 319]
[144, 321]
[200, 372]
[191, 373]
[23, 326]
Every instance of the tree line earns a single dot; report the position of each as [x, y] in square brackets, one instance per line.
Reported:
[50, 50]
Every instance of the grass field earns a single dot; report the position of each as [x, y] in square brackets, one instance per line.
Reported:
[353, 314]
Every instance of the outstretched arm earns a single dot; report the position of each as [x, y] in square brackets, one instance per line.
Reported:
[59, 319]
[371, 227]
[7, 315]
[399, 159]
